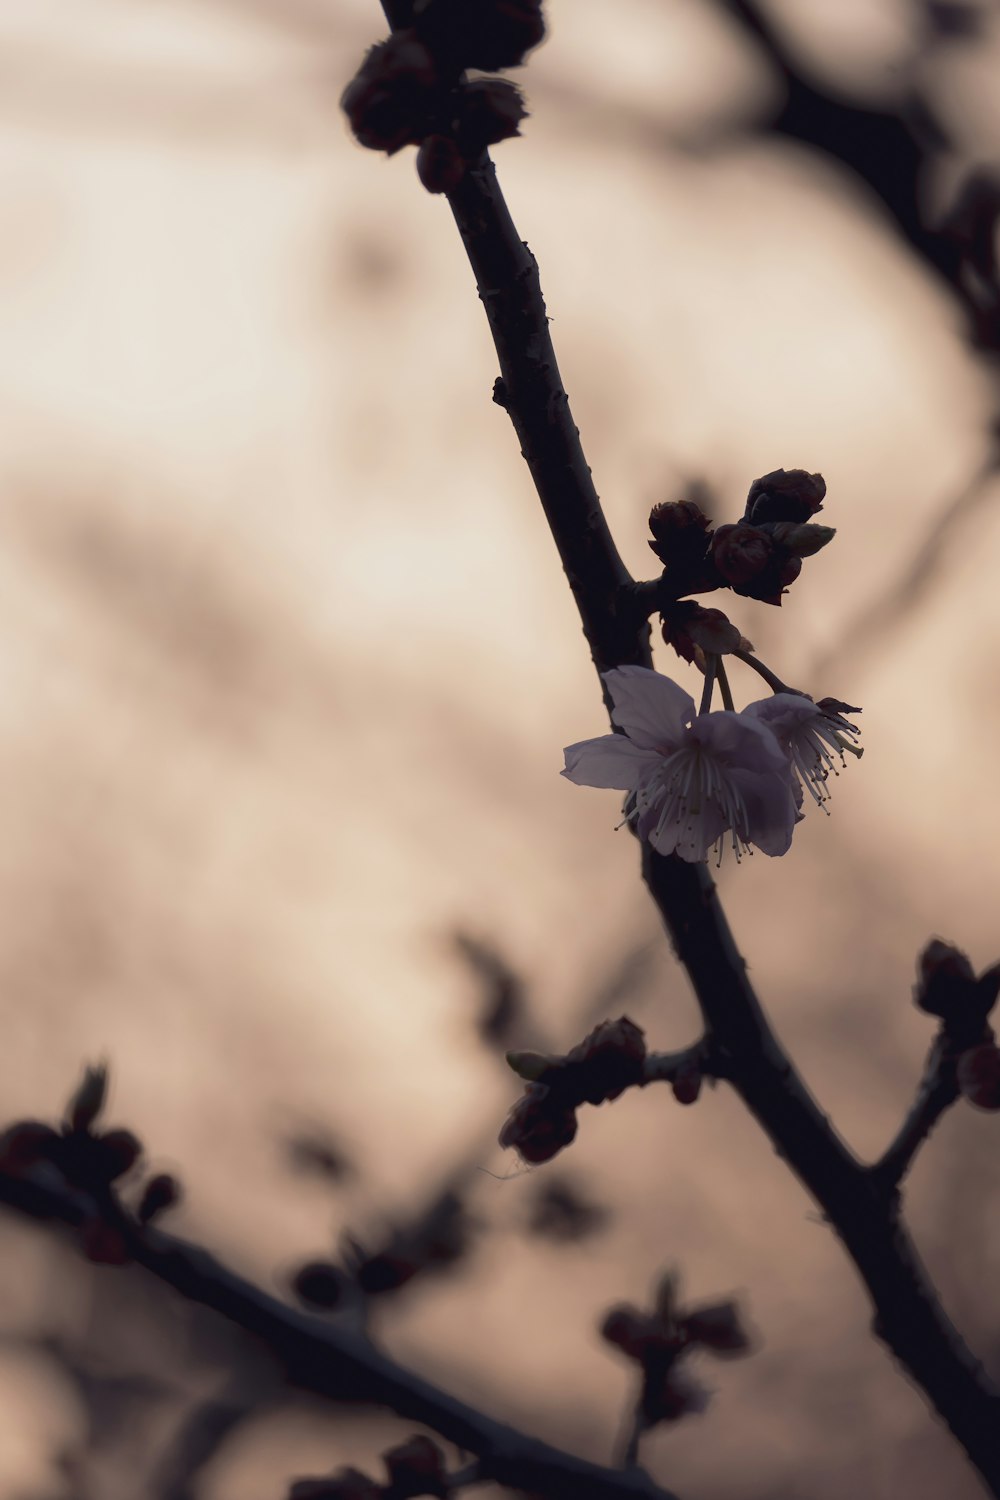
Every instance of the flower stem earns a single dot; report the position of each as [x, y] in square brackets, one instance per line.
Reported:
[724, 688]
[772, 679]
[712, 665]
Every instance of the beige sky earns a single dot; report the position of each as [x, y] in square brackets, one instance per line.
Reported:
[288, 663]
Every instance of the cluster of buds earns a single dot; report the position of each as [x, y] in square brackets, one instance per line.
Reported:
[411, 89]
[660, 1341]
[89, 1160]
[434, 1241]
[413, 1468]
[947, 987]
[608, 1061]
[760, 556]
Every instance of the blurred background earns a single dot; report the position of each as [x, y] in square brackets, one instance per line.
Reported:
[288, 663]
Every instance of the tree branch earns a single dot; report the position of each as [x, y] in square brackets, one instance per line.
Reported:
[336, 1362]
[908, 1317]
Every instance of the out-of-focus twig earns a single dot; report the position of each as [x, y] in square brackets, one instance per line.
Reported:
[339, 1362]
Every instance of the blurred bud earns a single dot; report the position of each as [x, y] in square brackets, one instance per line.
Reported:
[392, 98]
[102, 1244]
[531, 1066]
[416, 1467]
[979, 1076]
[634, 1333]
[319, 1284]
[671, 1394]
[687, 1082]
[945, 980]
[717, 1326]
[159, 1194]
[484, 34]
[785, 495]
[539, 1126]
[346, 1484]
[114, 1153]
[689, 628]
[800, 540]
[488, 110]
[26, 1143]
[88, 1100]
[440, 164]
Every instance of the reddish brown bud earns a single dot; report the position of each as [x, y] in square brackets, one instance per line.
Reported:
[636, 1334]
[785, 495]
[606, 1062]
[160, 1193]
[27, 1143]
[391, 100]
[680, 532]
[115, 1153]
[88, 1100]
[668, 1395]
[489, 110]
[416, 1467]
[945, 979]
[979, 1076]
[686, 1085]
[319, 1284]
[741, 553]
[539, 1126]
[717, 1326]
[440, 164]
[103, 1244]
[346, 1484]
[484, 34]
[690, 629]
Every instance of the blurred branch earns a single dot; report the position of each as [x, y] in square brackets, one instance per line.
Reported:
[336, 1362]
[908, 1318]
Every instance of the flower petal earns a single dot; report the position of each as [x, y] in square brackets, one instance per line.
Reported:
[652, 709]
[613, 760]
[771, 807]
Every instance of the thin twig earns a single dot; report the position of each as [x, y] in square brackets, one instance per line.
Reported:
[938, 1091]
[336, 1361]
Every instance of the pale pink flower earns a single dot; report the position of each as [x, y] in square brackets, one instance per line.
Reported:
[813, 735]
[697, 781]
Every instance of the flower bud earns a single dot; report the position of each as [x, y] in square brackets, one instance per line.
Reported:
[103, 1244]
[717, 1326]
[799, 540]
[785, 495]
[88, 1100]
[26, 1143]
[416, 1467]
[319, 1284]
[978, 1075]
[489, 110]
[484, 34]
[606, 1062]
[681, 532]
[115, 1152]
[392, 98]
[440, 164]
[160, 1193]
[742, 553]
[531, 1066]
[689, 629]
[346, 1484]
[538, 1126]
[945, 979]
[636, 1334]
[686, 1085]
